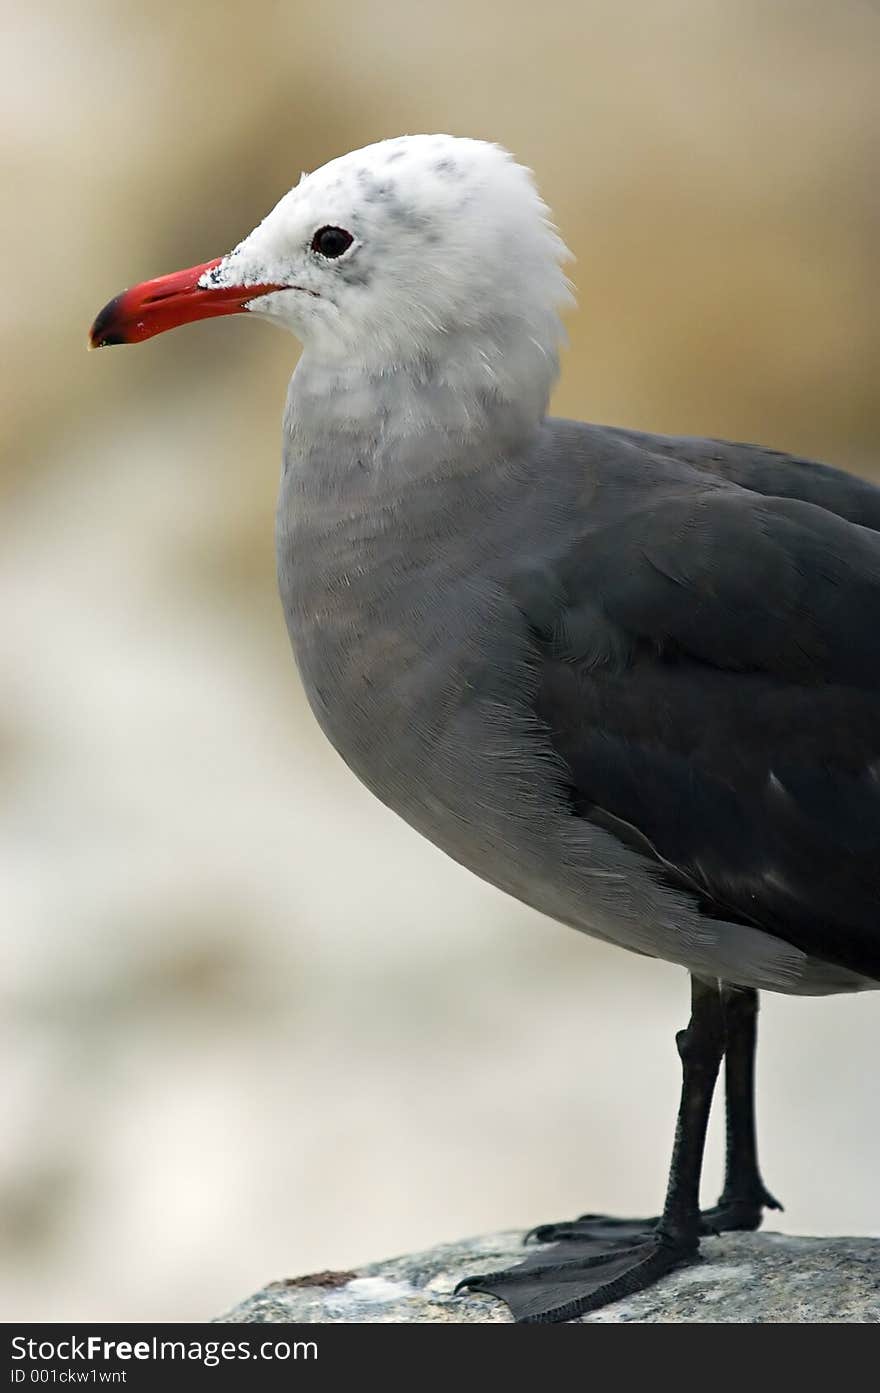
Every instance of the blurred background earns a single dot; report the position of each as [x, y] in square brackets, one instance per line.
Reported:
[251, 1024]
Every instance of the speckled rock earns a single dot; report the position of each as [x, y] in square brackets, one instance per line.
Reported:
[741, 1277]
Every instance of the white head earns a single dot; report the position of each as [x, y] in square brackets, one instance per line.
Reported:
[441, 235]
[409, 253]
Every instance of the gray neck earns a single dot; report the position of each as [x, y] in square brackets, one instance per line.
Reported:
[468, 409]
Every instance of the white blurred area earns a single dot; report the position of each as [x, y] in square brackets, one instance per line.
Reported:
[252, 1025]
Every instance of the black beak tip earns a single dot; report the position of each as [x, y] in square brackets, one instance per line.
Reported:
[103, 333]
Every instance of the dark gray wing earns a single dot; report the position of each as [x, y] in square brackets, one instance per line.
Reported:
[712, 681]
[770, 472]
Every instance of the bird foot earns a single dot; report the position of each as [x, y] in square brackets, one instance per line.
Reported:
[605, 1233]
[602, 1231]
[574, 1278]
[738, 1213]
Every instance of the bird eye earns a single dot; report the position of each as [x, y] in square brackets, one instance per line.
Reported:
[331, 241]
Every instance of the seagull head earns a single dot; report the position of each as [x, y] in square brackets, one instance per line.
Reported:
[387, 256]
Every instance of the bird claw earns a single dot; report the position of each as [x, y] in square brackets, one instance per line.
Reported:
[732, 1215]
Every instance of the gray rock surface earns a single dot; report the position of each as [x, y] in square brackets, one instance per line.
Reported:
[754, 1277]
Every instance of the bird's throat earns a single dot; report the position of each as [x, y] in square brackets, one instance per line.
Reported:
[439, 414]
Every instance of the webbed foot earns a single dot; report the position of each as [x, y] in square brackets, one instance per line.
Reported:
[731, 1213]
[575, 1277]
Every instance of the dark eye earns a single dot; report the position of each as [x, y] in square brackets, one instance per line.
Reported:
[331, 241]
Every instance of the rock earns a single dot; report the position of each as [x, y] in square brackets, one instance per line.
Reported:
[752, 1277]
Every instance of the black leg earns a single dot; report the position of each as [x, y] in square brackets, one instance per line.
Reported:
[701, 1047]
[581, 1274]
[744, 1197]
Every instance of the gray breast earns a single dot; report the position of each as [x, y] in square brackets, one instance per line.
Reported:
[416, 664]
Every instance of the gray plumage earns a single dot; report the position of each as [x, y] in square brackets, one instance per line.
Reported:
[421, 612]
[632, 680]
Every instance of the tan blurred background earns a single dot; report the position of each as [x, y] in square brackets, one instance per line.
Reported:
[252, 1025]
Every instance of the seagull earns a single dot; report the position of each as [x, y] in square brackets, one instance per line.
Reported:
[633, 680]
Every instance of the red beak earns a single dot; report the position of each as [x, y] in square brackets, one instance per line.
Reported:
[167, 301]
